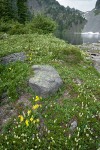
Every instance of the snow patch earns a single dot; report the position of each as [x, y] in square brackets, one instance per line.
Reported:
[97, 33]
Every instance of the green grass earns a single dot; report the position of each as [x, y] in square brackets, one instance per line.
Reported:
[81, 103]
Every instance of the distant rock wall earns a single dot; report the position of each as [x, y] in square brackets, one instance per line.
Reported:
[93, 22]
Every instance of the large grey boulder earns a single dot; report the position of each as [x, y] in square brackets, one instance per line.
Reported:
[13, 58]
[46, 80]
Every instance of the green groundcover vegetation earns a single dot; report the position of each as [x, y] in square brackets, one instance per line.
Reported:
[46, 124]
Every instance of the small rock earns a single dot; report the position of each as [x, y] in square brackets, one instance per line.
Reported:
[4, 95]
[73, 125]
[46, 80]
[77, 81]
[3, 36]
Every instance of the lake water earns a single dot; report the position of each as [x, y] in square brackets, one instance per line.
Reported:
[78, 38]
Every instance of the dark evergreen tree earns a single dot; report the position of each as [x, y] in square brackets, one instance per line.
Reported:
[22, 11]
[97, 7]
[8, 10]
[97, 4]
[5, 9]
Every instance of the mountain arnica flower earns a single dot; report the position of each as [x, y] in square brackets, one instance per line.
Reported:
[21, 118]
[27, 123]
[36, 106]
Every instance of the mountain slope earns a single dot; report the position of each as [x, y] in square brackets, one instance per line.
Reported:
[66, 18]
[93, 22]
[93, 19]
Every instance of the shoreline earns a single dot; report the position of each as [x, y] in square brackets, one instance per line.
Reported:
[93, 52]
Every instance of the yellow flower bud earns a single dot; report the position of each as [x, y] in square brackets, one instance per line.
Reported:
[31, 119]
[29, 112]
[35, 106]
[37, 98]
[27, 123]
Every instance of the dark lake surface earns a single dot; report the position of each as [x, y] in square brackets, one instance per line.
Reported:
[78, 38]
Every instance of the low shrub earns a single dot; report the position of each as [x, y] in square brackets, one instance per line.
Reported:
[42, 24]
[39, 24]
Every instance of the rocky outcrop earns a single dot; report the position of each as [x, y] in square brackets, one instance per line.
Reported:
[13, 58]
[93, 51]
[46, 80]
[93, 19]
[96, 61]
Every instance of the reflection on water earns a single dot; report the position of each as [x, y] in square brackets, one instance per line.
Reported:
[73, 38]
[78, 38]
[90, 38]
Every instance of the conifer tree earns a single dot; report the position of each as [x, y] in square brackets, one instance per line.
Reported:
[22, 11]
[5, 10]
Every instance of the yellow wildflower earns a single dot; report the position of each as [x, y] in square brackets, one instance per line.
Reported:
[9, 68]
[37, 98]
[36, 106]
[34, 121]
[29, 112]
[30, 58]
[31, 119]
[40, 105]
[21, 118]
[27, 123]
[37, 120]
